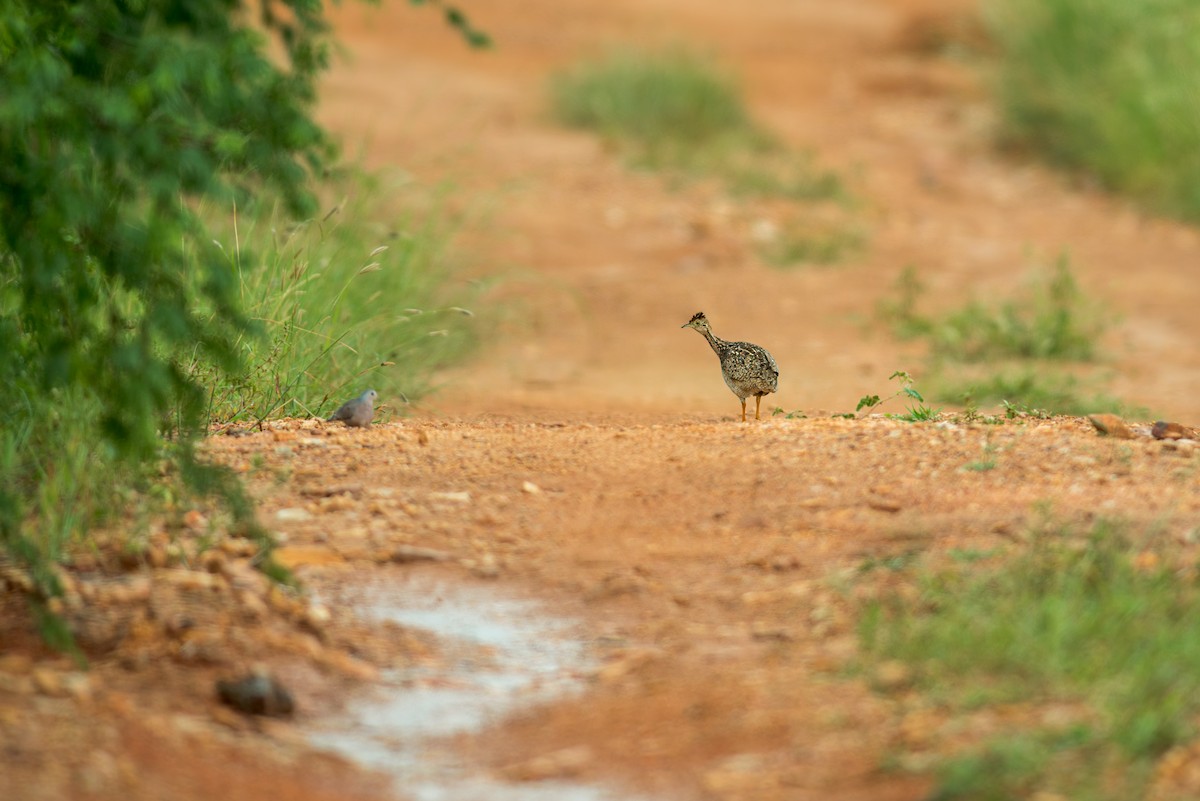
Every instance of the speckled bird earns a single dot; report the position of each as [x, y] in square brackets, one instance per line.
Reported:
[748, 369]
[357, 412]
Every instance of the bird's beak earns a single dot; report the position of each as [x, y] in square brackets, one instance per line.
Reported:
[685, 325]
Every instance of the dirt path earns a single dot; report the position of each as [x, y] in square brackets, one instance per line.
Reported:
[590, 454]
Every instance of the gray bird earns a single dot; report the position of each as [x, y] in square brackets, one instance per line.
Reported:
[747, 368]
[357, 412]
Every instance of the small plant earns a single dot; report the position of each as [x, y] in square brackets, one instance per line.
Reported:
[668, 108]
[914, 414]
[986, 462]
[794, 247]
[1071, 614]
[796, 415]
[340, 302]
[1107, 88]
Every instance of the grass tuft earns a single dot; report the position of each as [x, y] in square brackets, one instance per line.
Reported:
[669, 106]
[1091, 617]
[1107, 87]
[345, 302]
[1028, 350]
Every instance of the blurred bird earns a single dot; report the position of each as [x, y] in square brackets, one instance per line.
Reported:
[747, 369]
[357, 412]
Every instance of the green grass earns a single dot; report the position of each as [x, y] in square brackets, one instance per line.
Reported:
[1032, 387]
[1069, 615]
[668, 108]
[797, 246]
[1051, 318]
[1108, 88]
[1035, 349]
[352, 300]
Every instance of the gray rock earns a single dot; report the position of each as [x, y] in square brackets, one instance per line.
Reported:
[357, 412]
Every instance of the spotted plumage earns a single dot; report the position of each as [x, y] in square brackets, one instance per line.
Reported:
[747, 368]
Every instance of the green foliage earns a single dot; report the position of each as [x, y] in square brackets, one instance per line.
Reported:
[667, 106]
[1026, 350]
[1108, 87]
[917, 413]
[1052, 320]
[456, 19]
[348, 300]
[1088, 616]
[1035, 388]
[799, 245]
[116, 118]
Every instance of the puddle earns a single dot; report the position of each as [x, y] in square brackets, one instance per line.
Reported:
[502, 654]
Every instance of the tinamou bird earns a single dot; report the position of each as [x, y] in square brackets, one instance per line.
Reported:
[357, 412]
[748, 369]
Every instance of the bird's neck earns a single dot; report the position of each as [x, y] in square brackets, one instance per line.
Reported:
[718, 344]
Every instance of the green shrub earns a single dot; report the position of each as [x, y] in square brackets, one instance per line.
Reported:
[1108, 87]
[1070, 615]
[668, 107]
[342, 302]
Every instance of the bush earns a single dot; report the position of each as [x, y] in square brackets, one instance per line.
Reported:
[1108, 87]
[1088, 616]
[667, 106]
[351, 299]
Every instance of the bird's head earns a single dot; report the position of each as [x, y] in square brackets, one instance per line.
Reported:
[698, 321]
[369, 395]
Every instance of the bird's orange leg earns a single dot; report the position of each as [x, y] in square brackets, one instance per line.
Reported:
[743, 410]
[757, 403]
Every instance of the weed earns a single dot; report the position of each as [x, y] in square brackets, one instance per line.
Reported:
[342, 302]
[796, 246]
[1035, 393]
[668, 107]
[918, 413]
[1021, 341]
[986, 462]
[796, 415]
[1109, 88]
[1071, 614]
[674, 110]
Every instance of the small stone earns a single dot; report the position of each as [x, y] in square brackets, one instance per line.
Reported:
[892, 675]
[350, 667]
[293, 514]
[561, 764]
[48, 682]
[16, 664]
[1112, 425]
[79, 685]
[455, 497]
[530, 488]
[486, 568]
[763, 631]
[402, 554]
[256, 694]
[883, 505]
[194, 520]
[1165, 430]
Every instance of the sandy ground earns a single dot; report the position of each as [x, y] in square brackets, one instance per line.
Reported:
[590, 455]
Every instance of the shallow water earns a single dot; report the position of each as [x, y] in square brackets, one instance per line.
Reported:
[504, 654]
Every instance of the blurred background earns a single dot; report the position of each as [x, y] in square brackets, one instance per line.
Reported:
[997, 197]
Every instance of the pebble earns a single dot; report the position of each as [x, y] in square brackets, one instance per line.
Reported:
[1112, 425]
[256, 694]
[892, 675]
[561, 764]
[456, 497]
[402, 554]
[530, 488]
[293, 514]
[1166, 430]
[48, 682]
